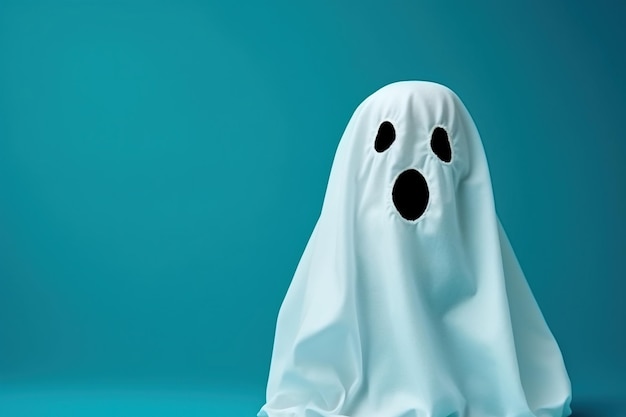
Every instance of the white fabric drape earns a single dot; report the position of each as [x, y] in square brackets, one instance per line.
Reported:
[387, 317]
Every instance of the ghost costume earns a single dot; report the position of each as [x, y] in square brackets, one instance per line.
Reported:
[408, 300]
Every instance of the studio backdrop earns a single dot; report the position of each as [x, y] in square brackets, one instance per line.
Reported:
[163, 163]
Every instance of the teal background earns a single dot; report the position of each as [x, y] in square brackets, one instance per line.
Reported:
[162, 164]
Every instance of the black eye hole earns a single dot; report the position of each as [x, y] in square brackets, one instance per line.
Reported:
[385, 136]
[440, 144]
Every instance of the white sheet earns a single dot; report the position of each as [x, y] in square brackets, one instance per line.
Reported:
[389, 317]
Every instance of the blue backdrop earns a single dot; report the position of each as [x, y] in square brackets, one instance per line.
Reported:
[162, 164]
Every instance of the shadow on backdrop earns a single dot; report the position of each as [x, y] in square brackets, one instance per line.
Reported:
[598, 408]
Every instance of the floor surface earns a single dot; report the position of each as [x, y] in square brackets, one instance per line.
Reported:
[115, 401]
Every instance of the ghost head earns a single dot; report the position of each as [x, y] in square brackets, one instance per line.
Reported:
[408, 300]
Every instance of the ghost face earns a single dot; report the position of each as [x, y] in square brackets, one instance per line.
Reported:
[406, 154]
[410, 193]
[412, 143]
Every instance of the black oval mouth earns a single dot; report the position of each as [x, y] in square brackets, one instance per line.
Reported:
[410, 194]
